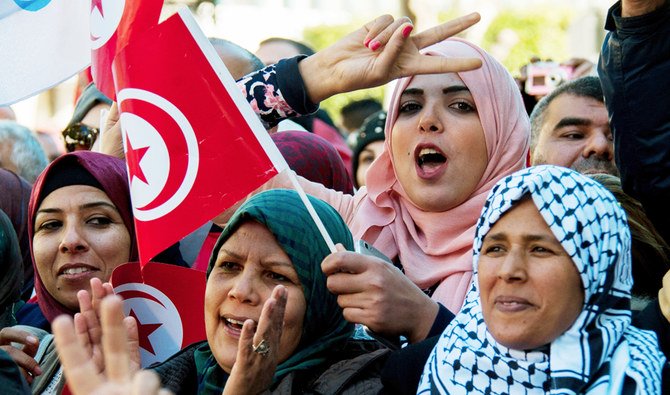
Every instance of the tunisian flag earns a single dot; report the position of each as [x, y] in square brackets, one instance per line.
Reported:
[112, 24]
[194, 146]
[170, 314]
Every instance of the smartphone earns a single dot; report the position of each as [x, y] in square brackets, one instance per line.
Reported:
[362, 247]
[394, 343]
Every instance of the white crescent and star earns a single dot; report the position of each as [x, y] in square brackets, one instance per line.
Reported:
[104, 20]
[159, 182]
[160, 328]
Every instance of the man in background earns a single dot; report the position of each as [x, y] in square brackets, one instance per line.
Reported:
[20, 151]
[570, 128]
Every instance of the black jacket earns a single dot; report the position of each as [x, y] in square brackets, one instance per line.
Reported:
[634, 69]
[354, 369]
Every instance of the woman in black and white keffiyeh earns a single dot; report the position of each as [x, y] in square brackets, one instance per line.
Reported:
[576, 336]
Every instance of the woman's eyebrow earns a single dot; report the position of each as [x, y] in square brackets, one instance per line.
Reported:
[48, 210]
[412, 92]
[454, 89]
[231, 254]
[541, 237]
[99, 204]
[446, 91]
[83, 206]
[277, 263]
[495, 237]
[526, 237]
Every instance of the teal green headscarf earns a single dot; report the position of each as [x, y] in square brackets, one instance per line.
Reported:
[324, 326]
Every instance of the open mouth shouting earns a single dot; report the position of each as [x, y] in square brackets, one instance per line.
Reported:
[430, 161]
[233, 325]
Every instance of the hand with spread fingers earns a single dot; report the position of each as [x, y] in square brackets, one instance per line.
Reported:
[257, 352]
[379, 52]
[82, 372]
[88, 329]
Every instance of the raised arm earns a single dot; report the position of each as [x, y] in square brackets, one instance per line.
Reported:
[373, 55]
[379, 52]
[634, 68]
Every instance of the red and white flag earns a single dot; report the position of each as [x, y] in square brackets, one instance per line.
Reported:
[42, 43]
[170, 314]
[112, 24]
[194, 147]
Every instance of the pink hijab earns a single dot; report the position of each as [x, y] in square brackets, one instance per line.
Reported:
[436, 247]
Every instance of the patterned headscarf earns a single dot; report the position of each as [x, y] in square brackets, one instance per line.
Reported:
[601, 346]
[110, 174]
[324, 326]
[434, 247]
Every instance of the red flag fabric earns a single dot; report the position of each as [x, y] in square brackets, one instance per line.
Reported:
[170, 314]
[112, 22]
[194, 146]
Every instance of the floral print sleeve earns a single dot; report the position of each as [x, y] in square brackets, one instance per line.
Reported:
[277, 92]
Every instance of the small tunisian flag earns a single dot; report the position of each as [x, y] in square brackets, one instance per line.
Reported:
[42, 43]
[112, 24]
[170, 314]
[194, 146]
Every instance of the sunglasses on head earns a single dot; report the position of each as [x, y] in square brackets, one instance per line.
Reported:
[79, 136]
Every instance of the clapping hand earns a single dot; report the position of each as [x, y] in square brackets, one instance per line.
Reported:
[258, 348]
[83, 373]
[89, 331]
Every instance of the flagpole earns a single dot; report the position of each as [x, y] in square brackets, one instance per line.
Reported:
[312, 212]
[103, 122]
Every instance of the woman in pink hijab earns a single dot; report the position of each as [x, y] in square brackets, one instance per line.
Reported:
[449, 138]
[427, 218]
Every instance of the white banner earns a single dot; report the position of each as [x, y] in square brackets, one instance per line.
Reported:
[42, 43]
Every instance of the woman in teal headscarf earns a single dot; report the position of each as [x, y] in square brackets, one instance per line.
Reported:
[270, 241]
[271, 323]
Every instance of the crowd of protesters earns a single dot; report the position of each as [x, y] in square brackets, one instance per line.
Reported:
[489, 239]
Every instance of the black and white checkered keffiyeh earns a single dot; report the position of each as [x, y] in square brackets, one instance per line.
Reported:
[600, 348]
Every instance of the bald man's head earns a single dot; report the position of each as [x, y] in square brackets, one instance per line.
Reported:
[7, 113]
[238, 60]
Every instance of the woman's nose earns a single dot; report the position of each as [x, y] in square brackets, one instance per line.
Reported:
[513, 268]
[430, 120]
[244, 289]
[73, 239]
